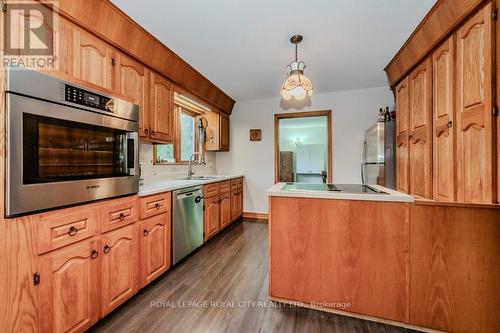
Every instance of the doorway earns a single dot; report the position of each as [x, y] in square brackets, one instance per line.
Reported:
[303, 147]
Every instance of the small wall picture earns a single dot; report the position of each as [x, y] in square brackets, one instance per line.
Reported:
[255, 135]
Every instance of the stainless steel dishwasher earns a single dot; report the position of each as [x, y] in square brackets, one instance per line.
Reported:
[187, 233]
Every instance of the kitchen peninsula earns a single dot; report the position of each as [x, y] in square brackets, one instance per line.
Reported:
[370, 252]
[341, 246]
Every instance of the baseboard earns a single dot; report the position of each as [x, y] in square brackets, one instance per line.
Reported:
[355, 315]
[256, 217]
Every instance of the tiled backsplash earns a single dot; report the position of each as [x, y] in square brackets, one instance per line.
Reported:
[149, 169]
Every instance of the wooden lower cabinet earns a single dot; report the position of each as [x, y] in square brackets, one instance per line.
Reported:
[119, 267]
[69, 288]
[454, 268]
[234, 204]
[211, 216]
[223, 204]
[155, 247]
[341, 252]
[225, 210]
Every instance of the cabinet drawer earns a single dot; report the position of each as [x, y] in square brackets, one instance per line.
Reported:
[155, 204]
[225, 186]
[63, 227]
[211, 190]
[118, 213]
[234, 184]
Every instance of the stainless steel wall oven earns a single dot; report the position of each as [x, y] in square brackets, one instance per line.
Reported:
[66, 144]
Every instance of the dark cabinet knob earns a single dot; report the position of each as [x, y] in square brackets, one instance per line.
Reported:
[157, 206]
[450, 123]
[72, 231]
[122, 217]
[146, 131]
[145, 232]
[153, 133]
[94, 254]
[106, 249]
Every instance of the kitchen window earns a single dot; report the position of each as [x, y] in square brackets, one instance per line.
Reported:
[185, 138]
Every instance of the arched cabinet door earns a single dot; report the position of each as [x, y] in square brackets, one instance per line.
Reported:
[474, 105]
[119, 267]
[154, 233]
[443, 66]
[402, 117]
[69, 288]
[161, 115]
[134, 83]
[420, 127]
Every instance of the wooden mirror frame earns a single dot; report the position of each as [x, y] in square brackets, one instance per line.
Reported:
[277, 117]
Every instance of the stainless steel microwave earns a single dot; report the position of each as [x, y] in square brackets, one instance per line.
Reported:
[66, 144]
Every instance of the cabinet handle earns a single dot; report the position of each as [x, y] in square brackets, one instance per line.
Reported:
[146, 131]
[94, 254]
[157, 206]
[145, 232]
[72, 231]
[106, 248]
[153, 133]
[450, 123]
[410, 136]
[122, 217]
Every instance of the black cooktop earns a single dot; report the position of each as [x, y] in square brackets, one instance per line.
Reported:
[346, 188]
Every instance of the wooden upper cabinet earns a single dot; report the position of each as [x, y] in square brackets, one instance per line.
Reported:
[211, 216]
[134, 83]
[217, 131]
[93, 60]
[402, 117]
[402, 106]
[420, 135]
[224, 131]
[474, 105]
[155, 247]
[119, 267]
[69, 288]
[443, 67]
[161, 115]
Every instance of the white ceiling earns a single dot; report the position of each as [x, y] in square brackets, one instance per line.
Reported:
[243, 47]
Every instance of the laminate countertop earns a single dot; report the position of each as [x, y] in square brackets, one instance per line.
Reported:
[157, 184]
[304, 190]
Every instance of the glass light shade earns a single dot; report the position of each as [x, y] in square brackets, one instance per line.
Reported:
[297, 85]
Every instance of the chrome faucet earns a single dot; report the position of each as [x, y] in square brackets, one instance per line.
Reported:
[190, 170]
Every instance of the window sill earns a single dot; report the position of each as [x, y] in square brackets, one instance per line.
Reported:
[176, 163]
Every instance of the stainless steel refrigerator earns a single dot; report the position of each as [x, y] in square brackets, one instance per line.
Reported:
[378, 157]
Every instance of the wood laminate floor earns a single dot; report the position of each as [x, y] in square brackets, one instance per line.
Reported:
[223, 287]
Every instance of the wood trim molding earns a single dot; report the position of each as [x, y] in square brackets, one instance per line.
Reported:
[104, 19]
[442, 19]
[264, 217]
[278, 116]
[353, 315]
[426, 202]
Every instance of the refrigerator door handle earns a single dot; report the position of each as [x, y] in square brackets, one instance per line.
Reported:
[363, 159]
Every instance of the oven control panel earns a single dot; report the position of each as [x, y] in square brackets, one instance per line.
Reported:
[90, 99]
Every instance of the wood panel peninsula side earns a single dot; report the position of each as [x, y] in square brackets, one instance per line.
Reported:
[379, 255]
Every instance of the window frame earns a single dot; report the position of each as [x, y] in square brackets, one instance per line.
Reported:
[178, 109]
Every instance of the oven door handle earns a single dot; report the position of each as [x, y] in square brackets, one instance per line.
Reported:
[132, 152]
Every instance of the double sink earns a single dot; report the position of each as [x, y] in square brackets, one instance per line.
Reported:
[201, 177]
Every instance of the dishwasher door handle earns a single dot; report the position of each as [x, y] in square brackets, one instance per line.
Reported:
[198, 199]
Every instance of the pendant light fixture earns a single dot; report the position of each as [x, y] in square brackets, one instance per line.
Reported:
[297, 85]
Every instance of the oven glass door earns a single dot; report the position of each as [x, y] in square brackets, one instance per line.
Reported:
[56, 150]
